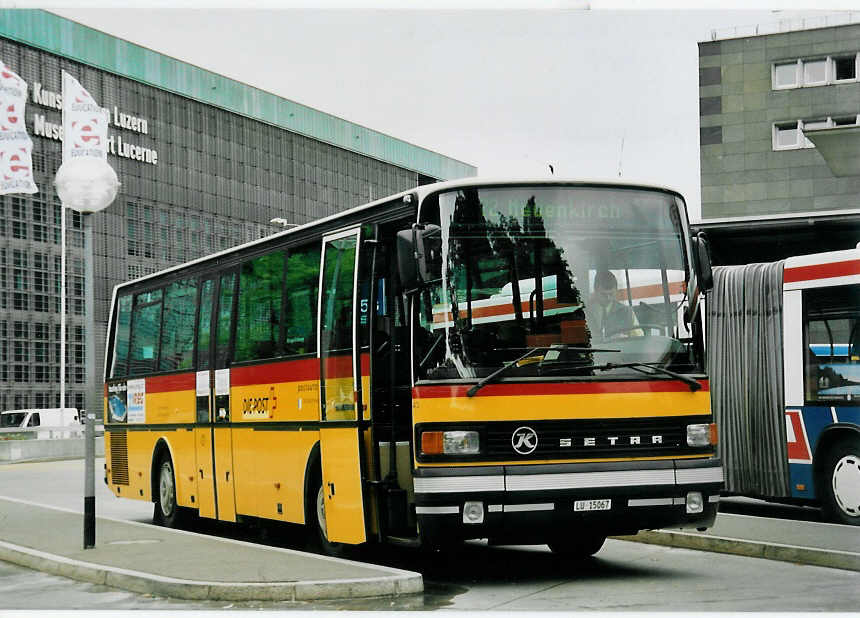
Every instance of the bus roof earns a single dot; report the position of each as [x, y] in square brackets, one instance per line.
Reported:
[421, 192]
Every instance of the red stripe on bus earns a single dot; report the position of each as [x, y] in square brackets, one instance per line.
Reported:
[503, 308]
[583, 388]
[651, 291]
[169, 384]
[338, 366]
[271, 373]
[296, 370]
[821, 271]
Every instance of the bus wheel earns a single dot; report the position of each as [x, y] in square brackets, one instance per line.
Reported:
[577, 547]
[315, 516]
[166, 512]
[841, 483]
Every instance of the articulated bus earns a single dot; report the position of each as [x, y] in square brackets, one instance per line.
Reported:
[784, 355]
[426, 369]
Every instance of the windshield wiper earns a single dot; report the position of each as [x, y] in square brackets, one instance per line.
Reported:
[514, 363]
[691, 382]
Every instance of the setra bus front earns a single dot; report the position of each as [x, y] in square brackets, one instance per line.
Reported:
[559, 391]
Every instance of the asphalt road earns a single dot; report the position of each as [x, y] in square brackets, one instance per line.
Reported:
[622, 577]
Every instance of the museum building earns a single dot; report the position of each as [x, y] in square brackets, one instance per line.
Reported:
[205, 163]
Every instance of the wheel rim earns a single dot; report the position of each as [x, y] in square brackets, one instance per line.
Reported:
[166, 490]
[846, 485]
[321, 512]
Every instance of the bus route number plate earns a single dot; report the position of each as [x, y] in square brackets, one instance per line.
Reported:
[592, 505]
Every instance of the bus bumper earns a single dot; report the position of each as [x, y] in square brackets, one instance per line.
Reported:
[532, 504]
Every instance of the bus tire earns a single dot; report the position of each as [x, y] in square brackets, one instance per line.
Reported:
[315, 519]
[577, 547]
[840, 482]
[166, 511]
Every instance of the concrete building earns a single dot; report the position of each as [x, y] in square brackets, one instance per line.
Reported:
[769, 97]
[205, 163]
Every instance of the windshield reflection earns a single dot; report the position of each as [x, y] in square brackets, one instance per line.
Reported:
[578, 276]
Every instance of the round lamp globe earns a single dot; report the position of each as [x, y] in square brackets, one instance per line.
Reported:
[86, 184]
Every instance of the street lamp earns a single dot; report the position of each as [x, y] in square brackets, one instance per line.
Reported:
[87, 185]
[283, 222]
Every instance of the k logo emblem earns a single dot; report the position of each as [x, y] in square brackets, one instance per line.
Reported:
[524, 440]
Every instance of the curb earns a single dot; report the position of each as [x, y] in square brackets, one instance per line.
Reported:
[832, 558]
[145, 583]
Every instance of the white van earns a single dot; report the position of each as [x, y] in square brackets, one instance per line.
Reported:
[41, 417]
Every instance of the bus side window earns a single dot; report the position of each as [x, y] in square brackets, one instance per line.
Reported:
[811, 374]
[177, 333]
[258, 324]
[204, 323]
[301, 289]
[121, 338]
[830, 323]
[145, 332]
[225, 319]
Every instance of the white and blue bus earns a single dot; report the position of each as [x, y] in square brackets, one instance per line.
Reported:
[784, 355]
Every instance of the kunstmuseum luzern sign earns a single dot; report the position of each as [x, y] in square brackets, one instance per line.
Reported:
[42, 127]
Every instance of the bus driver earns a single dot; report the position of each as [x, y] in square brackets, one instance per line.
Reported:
[606, 316]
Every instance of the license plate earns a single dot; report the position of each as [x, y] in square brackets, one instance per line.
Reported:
[592, 505]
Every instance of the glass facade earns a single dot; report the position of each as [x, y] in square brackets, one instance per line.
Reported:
[196, 179]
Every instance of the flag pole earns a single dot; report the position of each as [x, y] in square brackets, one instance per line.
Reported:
[63, 305]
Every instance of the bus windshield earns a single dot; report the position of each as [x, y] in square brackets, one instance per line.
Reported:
[561, 279]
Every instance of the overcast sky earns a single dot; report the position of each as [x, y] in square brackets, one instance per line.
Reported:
[509, 91]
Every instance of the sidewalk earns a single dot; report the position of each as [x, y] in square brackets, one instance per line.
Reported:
[803, 542]
[185, 565]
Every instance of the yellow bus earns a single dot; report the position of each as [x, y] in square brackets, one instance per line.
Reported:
[520, 361]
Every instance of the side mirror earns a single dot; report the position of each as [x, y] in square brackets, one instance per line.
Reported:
[419, 254]
[704, 273]
[407, 266]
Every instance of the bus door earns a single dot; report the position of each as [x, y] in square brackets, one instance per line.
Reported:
[214, 443]
[340, 390]
[203, 430]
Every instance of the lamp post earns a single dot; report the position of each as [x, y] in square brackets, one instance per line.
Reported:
[87, 185]
[283, 222]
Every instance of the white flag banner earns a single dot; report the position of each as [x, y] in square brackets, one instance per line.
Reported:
[16, 147]
[85, 124]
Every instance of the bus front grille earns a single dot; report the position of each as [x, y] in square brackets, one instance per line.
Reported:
[590, 439]
[119, 457]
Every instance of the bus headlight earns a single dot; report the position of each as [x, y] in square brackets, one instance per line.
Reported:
[704, 434]
[450, 443]
[695, 502]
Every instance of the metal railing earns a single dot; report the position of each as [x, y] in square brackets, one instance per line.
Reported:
[787, 25]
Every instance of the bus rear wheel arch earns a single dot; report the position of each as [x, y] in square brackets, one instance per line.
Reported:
[166, 510]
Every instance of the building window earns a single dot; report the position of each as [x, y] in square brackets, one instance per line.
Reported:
[845, 69]
[814, 124]
[815, 72]
[847, 121]
[808, 72]
[790, 135]
[21, 373]
[785, 75]
[20, 301]
[19, 230]
[21, 330]
[21, 352]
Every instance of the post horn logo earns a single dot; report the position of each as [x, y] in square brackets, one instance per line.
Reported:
[524, 440]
